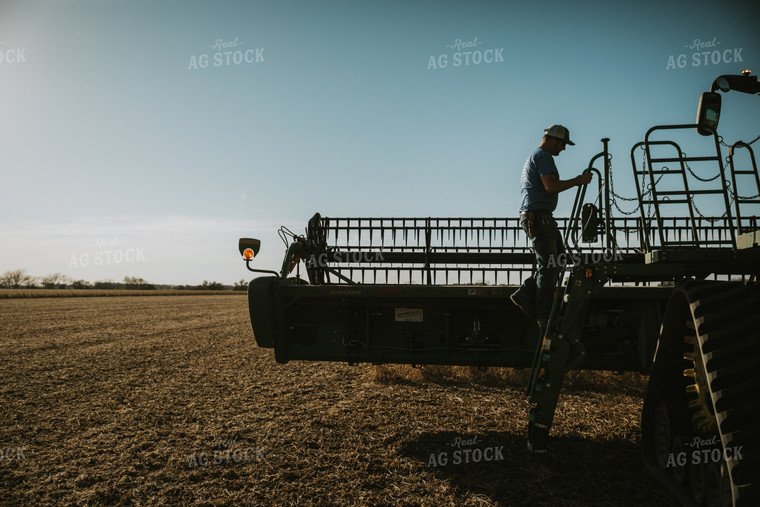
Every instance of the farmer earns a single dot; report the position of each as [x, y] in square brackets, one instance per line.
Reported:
[540, 185]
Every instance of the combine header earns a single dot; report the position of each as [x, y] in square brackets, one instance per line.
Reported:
[671, 292]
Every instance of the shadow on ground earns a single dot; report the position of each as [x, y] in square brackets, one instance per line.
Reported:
[497, 467]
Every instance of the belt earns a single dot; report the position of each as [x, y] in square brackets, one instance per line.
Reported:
[535, 213]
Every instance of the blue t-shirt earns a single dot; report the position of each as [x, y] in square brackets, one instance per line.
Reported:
[534, 195]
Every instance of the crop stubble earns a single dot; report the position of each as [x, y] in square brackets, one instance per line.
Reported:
[168, 400]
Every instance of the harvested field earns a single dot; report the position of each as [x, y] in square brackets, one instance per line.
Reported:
[62, 293]
[167, 400]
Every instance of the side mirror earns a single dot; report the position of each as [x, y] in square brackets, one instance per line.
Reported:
[708, 113]
[245, 244]
[746, 83]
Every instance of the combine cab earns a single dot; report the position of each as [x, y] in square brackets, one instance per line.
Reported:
[672, 292]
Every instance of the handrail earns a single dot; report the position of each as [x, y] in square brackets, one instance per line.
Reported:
[682, 159]
[737, 198]
[580, 196]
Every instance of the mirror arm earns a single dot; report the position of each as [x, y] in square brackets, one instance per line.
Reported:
[248, 265]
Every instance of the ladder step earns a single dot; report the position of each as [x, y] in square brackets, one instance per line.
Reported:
[690, 192]
[683, 159]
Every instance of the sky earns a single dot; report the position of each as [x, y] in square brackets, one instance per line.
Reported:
[143, 138]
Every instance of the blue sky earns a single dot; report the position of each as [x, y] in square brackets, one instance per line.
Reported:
[115, 138]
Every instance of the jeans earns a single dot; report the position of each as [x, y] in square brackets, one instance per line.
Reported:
[547, 245]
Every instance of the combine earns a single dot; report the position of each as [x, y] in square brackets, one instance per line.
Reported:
[672, 292]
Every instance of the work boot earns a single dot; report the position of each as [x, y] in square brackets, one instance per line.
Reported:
[527, 308]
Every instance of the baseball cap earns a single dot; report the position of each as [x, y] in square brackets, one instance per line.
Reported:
[560, 132]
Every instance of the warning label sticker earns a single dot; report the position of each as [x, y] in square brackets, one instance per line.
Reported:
[408, 314]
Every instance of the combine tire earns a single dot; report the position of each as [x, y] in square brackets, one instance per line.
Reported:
[703, 398]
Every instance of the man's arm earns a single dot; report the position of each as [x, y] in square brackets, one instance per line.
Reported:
[555, 186]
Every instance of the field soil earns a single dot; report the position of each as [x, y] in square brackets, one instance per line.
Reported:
[168, 400]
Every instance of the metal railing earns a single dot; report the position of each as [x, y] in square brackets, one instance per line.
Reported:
[667, 181]
[446, 251]
[744, 223]
[497, 251]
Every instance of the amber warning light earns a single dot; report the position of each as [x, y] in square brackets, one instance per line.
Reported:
[249, 247]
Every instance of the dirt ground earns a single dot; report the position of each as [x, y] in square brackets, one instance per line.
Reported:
[167, 400]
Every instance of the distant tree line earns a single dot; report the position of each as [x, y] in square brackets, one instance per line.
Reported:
[19, 279]
[206, 285]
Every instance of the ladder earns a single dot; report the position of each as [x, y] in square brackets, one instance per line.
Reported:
[656, 189]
